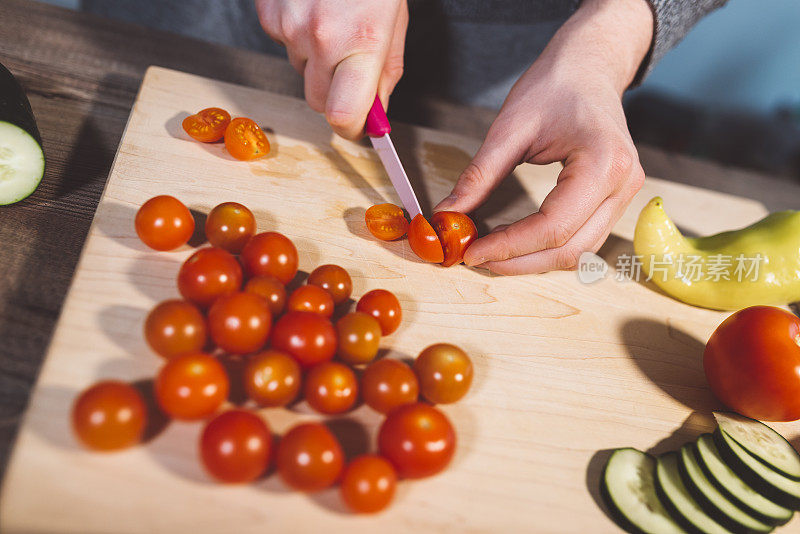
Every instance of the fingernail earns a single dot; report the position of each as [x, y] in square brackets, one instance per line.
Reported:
[445, 203]
[472, 262]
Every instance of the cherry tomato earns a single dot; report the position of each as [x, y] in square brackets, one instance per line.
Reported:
[239, 323]
[387, 384]
[191, 386]
[109, 415]
[359, 337]
[368, 484]
[423, 240]
[209, 273]
[444, 372]
[272, 378]
[308, 337]
[235, 446]
[309, 457]
[331, 387]
[418, 439]
[387, 222]
[230, 225]
[384, 307]
[207, 125]
[245, 140]
[456, 233]
[334, 280]
[312, 299]
[164, 223]
[752, 363]
[271, 289]
[270, 253]
[175, 327]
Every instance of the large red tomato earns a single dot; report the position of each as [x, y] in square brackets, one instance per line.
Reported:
[456, 232]
[307, 336]
[270, 253]
[418, 439]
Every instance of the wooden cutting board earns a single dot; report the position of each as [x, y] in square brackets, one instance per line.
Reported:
[564, 370]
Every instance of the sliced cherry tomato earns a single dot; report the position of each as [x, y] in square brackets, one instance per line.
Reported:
[245, 140]
[444, 372]
[109, 415]
[368, 484]
[456, 233]
[271, 289]
[312, 299]
[207, 125]
[191, 386]
[164, 223]
[331, 387]
[239, 323]
[236, 446]
[230, 225]
[209, 273]
[309, 457]
[334, 280]
[175, 327]
[384, 307]
[308, 337]
[272, 378]
[387, 222]
[270, 253]
[387, 384]
[423, 240]
[359, 337]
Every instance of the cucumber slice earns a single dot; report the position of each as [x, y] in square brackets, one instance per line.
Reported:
[771, 484]
[734, 488]
[711, 500]
[677, 500]
[21, 163]
[762, 442]
[627, 489]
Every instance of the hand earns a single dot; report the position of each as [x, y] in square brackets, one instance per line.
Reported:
[566, 107]
[346, 51]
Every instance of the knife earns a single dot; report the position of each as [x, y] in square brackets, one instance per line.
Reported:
[378, 130]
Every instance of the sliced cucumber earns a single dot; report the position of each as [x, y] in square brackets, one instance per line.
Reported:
[21, 163]
[762, 442]
[627, 489]
[734, 488]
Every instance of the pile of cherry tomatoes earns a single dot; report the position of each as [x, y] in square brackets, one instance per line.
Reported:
[244, 139]
[237, 309]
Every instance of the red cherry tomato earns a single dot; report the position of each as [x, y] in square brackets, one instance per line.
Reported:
[245, 140]
[270, 253]
[230, 225]
[359, 337]
[235, 446]
[191, 386]
[423, 240]
[311, 299]
[334, 280]
[331, 387]
[456, 233]
[164, 223]
[175, 327]
[271, 289]
[207, 125]
[272, 378]
[752, 363]
[387, 222]
[308, 337]
[239, 323]
[368, 484]
[309, 457]
[209, 273]
[418, 439]
[387, 384]
[109, 415]
[444, 372]
[384, 307]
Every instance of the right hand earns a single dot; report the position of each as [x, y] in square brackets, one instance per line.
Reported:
[347, 51]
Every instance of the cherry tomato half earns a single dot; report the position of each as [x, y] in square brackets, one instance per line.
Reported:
[387, 222]
[271, 289]
[387, 384]
[164, 223]
[312, 299]
[456, 233]
[309, 457]
[209, 273]
[334, 280]
[359, 337]
[245, 140]
[331, 387]
[109, 415]
[207, 125]
[230, 225]
[270, 253]
[272, 378]
[191, 386]
[175, 327]
[444, 372]
[308, 337]
[384, 307]
[239, 323]
[423, 240]
[236, 446]
[368, 484]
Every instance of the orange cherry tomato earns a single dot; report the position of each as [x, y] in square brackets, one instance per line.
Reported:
[359, 337]
[387, 222]
[368, 484]
[191, 386]
[270, 253]
[239, 323]
[423, 240]
[230, 225]
[207, 125]
[164, 223]
[108, 416]
[418, 439]
[308, 337]
[245, 140]
[334, 280]
[209, 273]
[387, 384]
[331, 387]
[272, 378]
[444, 372]
[236, 446]
[384, 307]
[175, 327]
[271, 289]
[456, 233]
[312, 299]
[309, 457]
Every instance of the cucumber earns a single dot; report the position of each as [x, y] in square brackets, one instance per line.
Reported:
[711, 500]
[626, 487]
[762, 442]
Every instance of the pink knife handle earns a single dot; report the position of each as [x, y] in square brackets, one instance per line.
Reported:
[377, 123]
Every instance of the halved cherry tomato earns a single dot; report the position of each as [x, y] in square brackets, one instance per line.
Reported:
[207, 125]
[359, 337]
[191, 386]
[245, 140]
[271, 289]
[309, 457]
[109, 415]
[209, 273]
[270, 253]
[272, 378]
[236, 446]
[334, 280]
[312, 299]
[331, 387]
[368, 483]
[423, 240]
[387, 222]
[308, 337]
[175, 327]
[240, 322]
[164, 223]
[387, 384]
[384, 307]
[444, 372]
[456, 233]
[230, 225]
